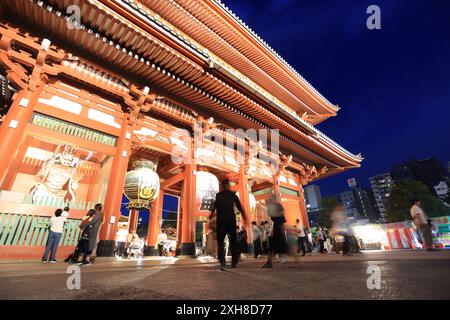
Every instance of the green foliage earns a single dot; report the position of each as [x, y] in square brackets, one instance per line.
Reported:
[400, 199]
[326, 207]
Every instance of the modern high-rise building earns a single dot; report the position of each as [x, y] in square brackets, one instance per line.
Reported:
[349, 202]
[359, 202]
[313, 199]
[428, 171]
[381, 187]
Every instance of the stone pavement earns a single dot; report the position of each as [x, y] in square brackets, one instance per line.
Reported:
[403, 275]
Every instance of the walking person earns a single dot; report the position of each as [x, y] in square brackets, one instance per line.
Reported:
[226, 223]
[162, 238]
[325, 240]
[211, 238]
[277, 239]
[301, 237]
[420, 220]
[256, 239]
[320, 239]
[264, 237]
[56, 229]
[121, 240]
[95, 223]
[346, 244]
[242, 240]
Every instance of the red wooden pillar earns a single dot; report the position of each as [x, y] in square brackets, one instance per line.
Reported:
[188, 221]
[133, 220]
[14, 168]
[113, 199]
[13, 127]
[302, 205]
[245, 202]
[154, 224]
[179, 221]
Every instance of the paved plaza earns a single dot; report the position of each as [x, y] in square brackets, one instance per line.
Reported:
[403, 275]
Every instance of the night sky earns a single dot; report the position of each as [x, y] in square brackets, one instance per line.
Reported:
[393, 84]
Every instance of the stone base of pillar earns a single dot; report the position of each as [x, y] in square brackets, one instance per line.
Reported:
[105, 248]
[151, 251]
[188, 249]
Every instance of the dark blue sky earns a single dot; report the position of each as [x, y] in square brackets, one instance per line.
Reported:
[393, 84]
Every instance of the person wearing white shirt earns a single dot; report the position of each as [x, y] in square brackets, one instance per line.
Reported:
[321, 239]
[56, 229]
[162, 238]
[301, 237]
[420, 220]
[121, 240]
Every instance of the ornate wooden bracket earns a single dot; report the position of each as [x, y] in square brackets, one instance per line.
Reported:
[138, 101]
[310, 172]
[206, 124]
[285, 160]
[47, 62]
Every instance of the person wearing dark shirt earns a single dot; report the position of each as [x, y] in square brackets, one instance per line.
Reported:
[277, 239]
[226, 222]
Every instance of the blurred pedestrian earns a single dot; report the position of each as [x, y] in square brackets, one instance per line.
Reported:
[121, 240]
[242, 240]
[310, 240]
[420, 220]
[320, 238]
[277, 240]
[256, 239]
[301, 237]
[211, 238]
[264, 237]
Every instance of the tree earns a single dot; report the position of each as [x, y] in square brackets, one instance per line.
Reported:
[447, 198]
[401, 197]
[326, 208]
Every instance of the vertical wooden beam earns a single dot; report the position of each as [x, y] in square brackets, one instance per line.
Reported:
[133, 220]
[302, 205]
[113, 199]
[188, 222]
[154, 225]
[245, 202]
[13, 127]
[179, 220]
[14, 169]
[93, 191]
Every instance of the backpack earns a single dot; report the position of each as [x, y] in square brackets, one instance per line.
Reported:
[85, 232]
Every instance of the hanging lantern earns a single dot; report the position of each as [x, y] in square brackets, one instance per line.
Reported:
[207, 186]
[141, 184]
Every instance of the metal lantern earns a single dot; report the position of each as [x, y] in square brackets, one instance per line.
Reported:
[207, 186]
[141, 184]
